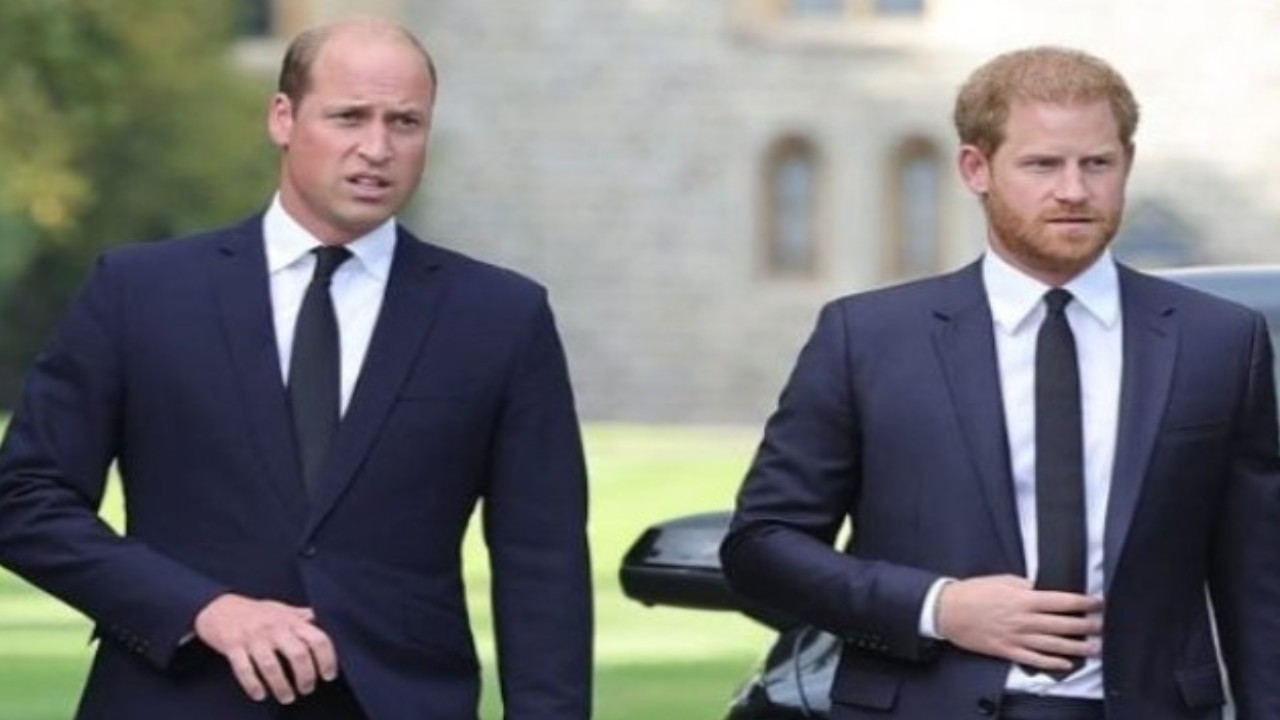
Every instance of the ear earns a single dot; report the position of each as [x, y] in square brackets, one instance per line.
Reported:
[280, 120]
[975, 169]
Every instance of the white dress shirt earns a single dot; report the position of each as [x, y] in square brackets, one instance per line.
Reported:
[357, 289]
[1017, 306]
[1017, 309]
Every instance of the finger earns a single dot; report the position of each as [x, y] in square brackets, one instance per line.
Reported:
[272, 672]
[323, 652]
[1061, 646]
[299, 666]
[246, 675]
[1063, 625]
[1041, 661]
[1051, 601]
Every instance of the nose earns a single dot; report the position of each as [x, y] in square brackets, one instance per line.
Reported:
[1070, 187]
[375, 144]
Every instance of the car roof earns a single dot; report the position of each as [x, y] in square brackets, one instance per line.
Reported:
[1257, 286]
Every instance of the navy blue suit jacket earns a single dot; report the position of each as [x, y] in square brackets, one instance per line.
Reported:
[893, 419]
[167, 364]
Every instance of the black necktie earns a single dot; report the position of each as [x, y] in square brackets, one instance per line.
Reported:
[1060, 508]
[315, 374]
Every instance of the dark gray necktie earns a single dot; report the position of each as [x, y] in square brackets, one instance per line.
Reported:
[1060, 502]
[315, 367]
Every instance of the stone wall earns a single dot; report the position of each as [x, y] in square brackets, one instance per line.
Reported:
[614, 151]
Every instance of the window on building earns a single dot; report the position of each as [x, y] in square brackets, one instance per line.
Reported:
[254, 18]
[791, 208]
[816, 8]
[899, 7]
[915, 207]
[877, 23]
[852, 8]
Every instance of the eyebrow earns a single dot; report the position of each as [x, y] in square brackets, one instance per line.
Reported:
[1042, 156]
[365, 104]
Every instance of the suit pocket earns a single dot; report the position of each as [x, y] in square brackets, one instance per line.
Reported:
[443, 385]
[1201, 686]
[1188, 431]
[865, 688]
[456, 394]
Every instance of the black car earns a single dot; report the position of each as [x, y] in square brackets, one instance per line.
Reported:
[677, 563]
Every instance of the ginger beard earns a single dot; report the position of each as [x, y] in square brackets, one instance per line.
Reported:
[1061, 241]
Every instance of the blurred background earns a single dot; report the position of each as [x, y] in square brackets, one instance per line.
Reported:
[690, 178]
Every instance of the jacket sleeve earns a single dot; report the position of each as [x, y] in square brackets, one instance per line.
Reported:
[804, 481]
[1245, 575]
[535, 513]
[54, 461]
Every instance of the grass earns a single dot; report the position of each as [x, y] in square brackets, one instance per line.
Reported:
[650, 662]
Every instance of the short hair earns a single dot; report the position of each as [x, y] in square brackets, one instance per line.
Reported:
[1039, 74]
[295, 70]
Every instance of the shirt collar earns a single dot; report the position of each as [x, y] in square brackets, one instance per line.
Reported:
[1015, 296]
[287, 242]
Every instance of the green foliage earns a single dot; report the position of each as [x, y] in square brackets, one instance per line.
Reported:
[119, 120]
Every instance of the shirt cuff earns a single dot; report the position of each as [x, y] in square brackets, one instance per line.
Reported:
[929, 610]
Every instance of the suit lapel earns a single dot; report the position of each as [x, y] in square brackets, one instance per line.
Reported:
[1150, 351]
[244, 297]
[965, 342]
[415, 289]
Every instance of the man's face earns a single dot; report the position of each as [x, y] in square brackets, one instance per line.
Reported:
[354, 147]
[1054, 190]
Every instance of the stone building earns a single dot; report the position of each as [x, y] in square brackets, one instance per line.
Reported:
[692, 179]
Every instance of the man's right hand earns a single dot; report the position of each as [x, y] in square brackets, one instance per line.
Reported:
[255, 635]
[1005, 616]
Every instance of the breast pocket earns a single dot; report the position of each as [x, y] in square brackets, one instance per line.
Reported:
[1193, 416]
[426, 387]
[1196, 411]
[1195, 430]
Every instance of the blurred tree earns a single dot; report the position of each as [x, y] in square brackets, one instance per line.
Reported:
[119, 120]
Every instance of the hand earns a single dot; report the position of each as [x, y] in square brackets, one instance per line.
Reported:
[254, 635]
[1006, 617]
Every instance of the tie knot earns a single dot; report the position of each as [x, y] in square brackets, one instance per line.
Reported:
[328, 258]
[1057, 299]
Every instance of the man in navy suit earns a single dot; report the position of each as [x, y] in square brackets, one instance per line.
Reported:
[932, 415]
[280, 562]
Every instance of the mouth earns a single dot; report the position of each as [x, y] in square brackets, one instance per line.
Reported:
[369, 185]
[1072, 221]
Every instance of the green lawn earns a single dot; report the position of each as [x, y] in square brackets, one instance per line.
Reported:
[651, 662]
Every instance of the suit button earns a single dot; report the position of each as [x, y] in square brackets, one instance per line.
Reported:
[308, 551]
[986, 706]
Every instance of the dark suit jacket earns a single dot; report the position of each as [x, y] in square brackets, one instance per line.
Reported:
[168, 365]
[893, 418]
